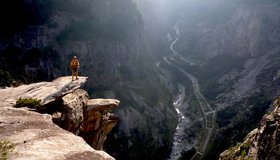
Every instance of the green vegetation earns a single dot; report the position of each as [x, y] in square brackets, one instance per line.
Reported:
[244, 148]
[28, 102]
[5, 78]
[7, 148]
[243, 153]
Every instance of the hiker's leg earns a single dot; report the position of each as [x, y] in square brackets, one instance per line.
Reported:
[73, 75]
[77, 74]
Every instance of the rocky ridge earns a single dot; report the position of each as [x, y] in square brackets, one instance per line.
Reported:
[38, 135]
[261, 143]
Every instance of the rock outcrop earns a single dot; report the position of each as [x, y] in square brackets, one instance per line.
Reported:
[98, 121]
[262, 143]
[36, 135]
[47, 92]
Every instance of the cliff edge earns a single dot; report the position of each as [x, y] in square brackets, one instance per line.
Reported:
[261, 143]
[44, 132]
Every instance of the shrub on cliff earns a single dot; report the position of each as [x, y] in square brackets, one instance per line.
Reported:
[6, 148]
[27, 102]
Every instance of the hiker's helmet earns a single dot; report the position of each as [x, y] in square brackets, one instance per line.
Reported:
[75, 57]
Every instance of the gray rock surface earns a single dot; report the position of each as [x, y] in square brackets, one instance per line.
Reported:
[51, 90]
[35, 137]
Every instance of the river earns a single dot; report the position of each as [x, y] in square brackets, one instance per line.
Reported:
[179, 136]
[179, 139]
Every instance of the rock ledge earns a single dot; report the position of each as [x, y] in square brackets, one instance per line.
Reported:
[36, 136]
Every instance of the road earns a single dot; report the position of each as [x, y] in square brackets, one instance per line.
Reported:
[207, 111]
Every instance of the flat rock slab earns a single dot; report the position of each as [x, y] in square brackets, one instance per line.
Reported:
[102, 104]
[45, 91]
[36, 137]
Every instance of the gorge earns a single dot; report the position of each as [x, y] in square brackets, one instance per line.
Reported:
[183, 121]
[193, 77]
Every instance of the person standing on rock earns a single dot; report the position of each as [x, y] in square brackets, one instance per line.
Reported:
[75, 64]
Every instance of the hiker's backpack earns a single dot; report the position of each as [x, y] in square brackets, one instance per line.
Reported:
[75, 63]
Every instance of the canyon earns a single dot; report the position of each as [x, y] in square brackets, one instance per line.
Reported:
[193, 78]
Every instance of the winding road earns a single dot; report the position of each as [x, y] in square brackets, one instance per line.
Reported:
[207, 111]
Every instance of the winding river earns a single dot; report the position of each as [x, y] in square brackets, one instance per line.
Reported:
[179, 145]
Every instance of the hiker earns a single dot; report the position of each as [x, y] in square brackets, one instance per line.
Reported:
[75, 64]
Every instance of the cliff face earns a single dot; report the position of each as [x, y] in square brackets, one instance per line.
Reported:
[63, 103]
[261, 143]
[110, 40]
